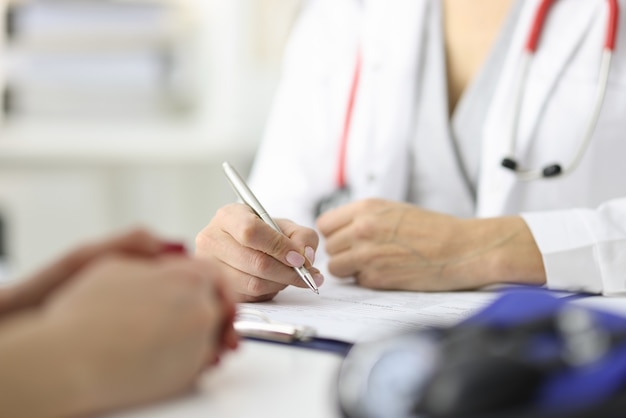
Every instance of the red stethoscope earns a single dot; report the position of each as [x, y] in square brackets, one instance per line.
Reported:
[556, 169]
[341, 194]
[509, 161]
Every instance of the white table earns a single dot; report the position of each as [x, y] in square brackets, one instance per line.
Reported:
[272, 380]
[259, 380]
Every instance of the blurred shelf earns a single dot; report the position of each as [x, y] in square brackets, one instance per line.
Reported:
[53, 144]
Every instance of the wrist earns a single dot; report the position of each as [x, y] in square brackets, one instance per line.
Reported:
[500, 250]
[41, 376]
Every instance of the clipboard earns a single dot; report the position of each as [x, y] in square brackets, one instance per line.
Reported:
[255, 325]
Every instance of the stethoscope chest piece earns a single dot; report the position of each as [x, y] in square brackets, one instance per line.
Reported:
[337, 198]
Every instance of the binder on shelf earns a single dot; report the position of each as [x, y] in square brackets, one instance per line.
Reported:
[72, 23]
[99, 59]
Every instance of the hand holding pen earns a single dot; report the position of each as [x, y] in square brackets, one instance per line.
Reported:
[246, 195]
[257, 260]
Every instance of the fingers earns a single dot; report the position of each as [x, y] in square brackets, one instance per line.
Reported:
[230, 338]
[250, 231]
[221, 311]
[341, 240]
[338, 227]
[345, 264]
[135, 242]
[138, 242]
[303, 238]
[350, 230]
[250, 272]
[172, 311]
[255, 259]
[207, 298]
[36, 288]
[334, 219]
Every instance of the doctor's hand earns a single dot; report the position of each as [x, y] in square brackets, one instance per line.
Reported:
[255, 260]
[394, 245]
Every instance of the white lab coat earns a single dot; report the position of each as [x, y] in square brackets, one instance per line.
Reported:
[578, 221]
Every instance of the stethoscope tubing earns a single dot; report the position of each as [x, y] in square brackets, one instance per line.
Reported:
[532, 43]
[345, 132]
[530, 48]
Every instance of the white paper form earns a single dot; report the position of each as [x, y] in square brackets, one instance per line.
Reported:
[350, 313]
[614, 304]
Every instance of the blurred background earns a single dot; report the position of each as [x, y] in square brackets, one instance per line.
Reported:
[116, 113]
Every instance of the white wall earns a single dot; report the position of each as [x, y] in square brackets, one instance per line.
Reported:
[62, 183]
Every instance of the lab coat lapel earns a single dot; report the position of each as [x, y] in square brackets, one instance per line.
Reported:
[392, 37]
[564, 29]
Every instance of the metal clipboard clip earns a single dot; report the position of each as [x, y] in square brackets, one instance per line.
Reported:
[251, 323]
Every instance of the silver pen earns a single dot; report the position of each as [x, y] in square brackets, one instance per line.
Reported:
[245, 194]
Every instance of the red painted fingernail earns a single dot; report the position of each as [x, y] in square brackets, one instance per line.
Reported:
[174, 248]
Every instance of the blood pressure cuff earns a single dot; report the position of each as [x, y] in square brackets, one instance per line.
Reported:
[527, 354]
[530, 354]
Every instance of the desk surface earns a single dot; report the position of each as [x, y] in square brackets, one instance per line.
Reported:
[259, 380]
[270, 380]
